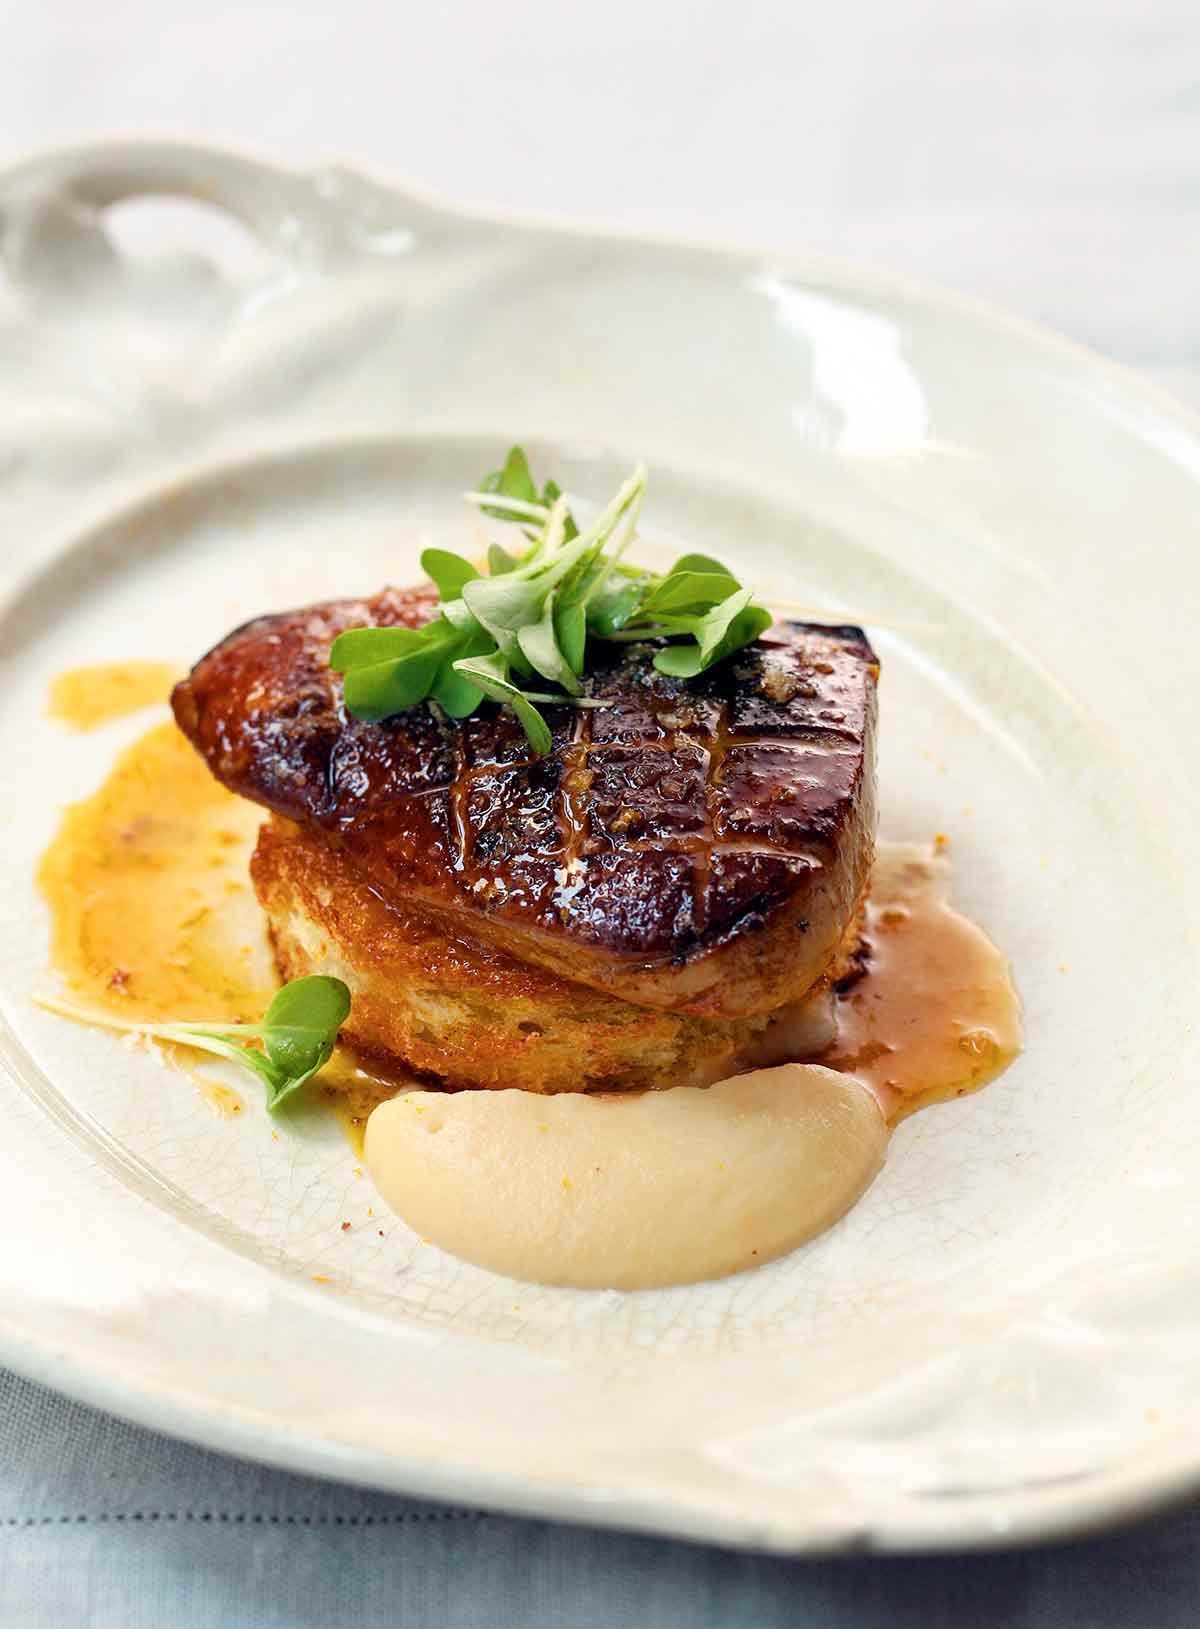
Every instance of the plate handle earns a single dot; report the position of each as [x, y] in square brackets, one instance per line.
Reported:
[52, 229]
[52, 206]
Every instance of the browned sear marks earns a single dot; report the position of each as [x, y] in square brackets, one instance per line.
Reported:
[665, 850]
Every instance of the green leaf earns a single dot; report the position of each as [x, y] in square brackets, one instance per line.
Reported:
[490, 673]
[298, 1032]
[513, 481]
[500, 562]
[537, 731]
[503, 605]
[448, 572]
[462, 619]
[715, 624]
[689, 591]
[390, 669]
[452, 690]
[539, 644]
[551, 493]
[301, 1025]
[455, 694]
[726, 628]
[609, 610]
[364, 647]
[377, 692]
[570, 630]
[703, 563]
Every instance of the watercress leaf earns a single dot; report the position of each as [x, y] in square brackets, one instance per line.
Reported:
[714, 624]
[447, 571]
[704, 563]
[551, 493]
[462, 619]
[539, 645]
[689, 623]
[455, 693]
[221, 1045]
[500, 562]
[452, 690]
[377, 692]
[686, 661]
[581, 571]
[364, 647]
[300, 1027]
[490, 673]
[615, 605]
[680, 661]
[570, 630]
[504, 604]
[298, 1033]
[513, 481]
[745, 628]
[537, 731]
[689, 591]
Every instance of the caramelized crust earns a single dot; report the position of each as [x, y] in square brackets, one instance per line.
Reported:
[697, 847]
[470, 1016]
[460, 1010]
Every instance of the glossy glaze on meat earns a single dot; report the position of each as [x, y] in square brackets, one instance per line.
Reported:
[696, 846]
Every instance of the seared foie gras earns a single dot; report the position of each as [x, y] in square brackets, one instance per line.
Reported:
[699, 847]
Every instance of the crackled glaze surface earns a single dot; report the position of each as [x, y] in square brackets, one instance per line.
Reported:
[999, 1340]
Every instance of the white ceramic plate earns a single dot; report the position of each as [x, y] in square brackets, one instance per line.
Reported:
[1001, 1340]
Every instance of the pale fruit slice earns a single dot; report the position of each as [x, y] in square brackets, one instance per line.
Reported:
[629, 1192]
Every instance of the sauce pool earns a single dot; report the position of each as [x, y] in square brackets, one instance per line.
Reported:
[936, 1014]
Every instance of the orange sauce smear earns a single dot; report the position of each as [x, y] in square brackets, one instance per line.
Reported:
[937, 1014]
[86, 697]
[154, 917]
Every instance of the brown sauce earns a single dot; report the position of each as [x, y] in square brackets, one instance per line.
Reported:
[86, 697]
[153, 916]
[936, 1014]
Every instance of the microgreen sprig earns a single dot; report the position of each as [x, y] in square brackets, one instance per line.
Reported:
[534, 612]
[298, 1033]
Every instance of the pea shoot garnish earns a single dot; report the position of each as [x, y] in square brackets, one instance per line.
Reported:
[295, 1039]
[531, 617]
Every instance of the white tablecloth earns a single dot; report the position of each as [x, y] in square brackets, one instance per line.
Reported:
[1047, 156]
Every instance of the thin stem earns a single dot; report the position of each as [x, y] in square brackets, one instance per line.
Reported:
[611, 562]
[563, 701]
[183, 1032]
[514, 506]
[629, 636]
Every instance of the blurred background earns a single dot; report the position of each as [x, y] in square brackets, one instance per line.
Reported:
[1047, 157]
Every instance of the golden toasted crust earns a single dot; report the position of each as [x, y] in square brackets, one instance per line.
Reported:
[460, 1010]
